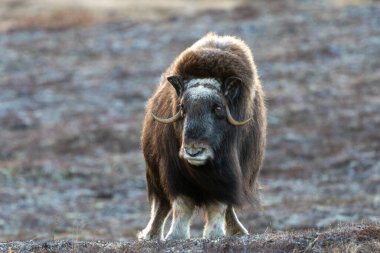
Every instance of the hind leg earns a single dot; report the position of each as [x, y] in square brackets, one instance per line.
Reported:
[233, 225]
[159, 211]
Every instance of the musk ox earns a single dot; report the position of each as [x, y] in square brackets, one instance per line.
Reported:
[203, 139]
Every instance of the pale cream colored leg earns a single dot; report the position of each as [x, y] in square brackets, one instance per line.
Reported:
[155, 227]
[215, 217]
[182, 209]
[233, 225]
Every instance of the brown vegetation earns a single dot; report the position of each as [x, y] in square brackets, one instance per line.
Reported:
[73, 100]
[352, 239]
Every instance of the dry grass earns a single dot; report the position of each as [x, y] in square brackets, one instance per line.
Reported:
[350, 239]
[64, 14]
[56, 19]
[352, 2]
[61, 14]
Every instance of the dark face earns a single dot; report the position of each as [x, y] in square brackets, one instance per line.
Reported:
[204, 120]
[205, 115]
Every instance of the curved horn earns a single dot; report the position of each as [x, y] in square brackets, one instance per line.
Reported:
[169, 120]
[233, 121]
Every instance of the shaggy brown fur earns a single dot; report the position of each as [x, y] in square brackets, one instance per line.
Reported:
[232, 177]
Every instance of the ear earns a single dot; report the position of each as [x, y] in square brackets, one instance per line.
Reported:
[231, 87]
[177, 82]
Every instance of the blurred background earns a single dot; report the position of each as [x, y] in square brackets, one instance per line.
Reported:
[75, 77]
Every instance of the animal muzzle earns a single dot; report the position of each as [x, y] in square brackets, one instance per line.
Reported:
[196, 155]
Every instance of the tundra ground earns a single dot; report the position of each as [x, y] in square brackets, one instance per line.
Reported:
[73, 96]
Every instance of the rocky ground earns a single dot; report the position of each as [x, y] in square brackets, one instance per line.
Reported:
[72, 102]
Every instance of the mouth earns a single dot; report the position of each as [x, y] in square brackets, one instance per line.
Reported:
[196, 155]
[196, 162]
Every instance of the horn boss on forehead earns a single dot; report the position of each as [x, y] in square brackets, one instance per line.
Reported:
[230, 90]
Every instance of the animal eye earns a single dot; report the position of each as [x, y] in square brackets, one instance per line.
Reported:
[218, 110]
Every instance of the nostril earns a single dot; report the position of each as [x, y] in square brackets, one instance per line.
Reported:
[194, 151]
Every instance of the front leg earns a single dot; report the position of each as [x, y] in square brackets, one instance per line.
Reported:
[183, 209]
[159, 211]
[214, 216]
[233, 225]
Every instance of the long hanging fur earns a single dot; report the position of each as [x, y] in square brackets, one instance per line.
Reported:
[233, 177]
